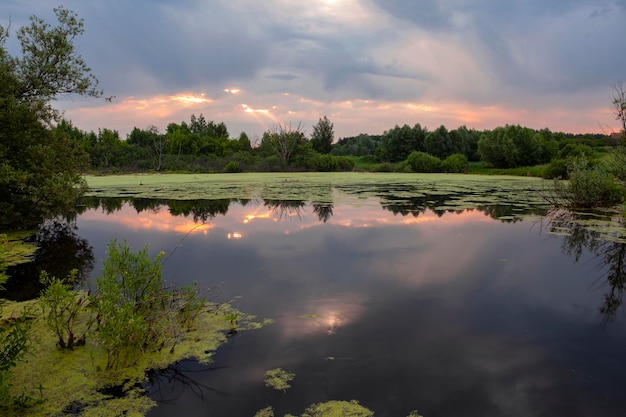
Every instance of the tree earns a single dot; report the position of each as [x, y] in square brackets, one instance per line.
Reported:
[39, 168]
[323, 136]
[399, 142]
[284, 141]
[438, 143]
[619, 104]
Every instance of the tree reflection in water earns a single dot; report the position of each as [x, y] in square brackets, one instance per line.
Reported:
[59, 250]
[169, 384]
[285, 209]
[609, 248]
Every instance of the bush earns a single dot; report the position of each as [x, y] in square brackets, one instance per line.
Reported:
[324, 163]
[136, 313]
[455, 163]
[344, 163]
[424, 162]
[63, 308]
[232, 167]
[384, 167]
[557, 168]
[589, 186]
[15, 343]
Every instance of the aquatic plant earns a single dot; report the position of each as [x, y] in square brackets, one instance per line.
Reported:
[337, 409]
[278, 379]
[136, 312]
[15, 343]
[63, 309]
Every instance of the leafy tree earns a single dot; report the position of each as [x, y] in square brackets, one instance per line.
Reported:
[398, 143]
[244, 142]
[323, 136]
[512, 146]
[438, 143]
[284, 142]
[39, 168]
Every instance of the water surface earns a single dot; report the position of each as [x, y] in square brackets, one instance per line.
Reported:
[452, 313]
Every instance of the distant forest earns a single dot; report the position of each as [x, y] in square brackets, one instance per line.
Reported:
[206, 146]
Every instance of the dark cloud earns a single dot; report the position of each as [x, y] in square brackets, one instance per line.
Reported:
[283, 77]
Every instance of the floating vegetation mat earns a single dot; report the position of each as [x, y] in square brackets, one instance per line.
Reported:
[63, 382]
[452, 191]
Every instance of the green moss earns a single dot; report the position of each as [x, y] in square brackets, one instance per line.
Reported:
[77, 378]
[278, 379]
[337, 409]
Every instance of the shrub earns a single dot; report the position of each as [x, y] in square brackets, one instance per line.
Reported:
[344, 163]
[324, 163]
[455, 163]
[589, 186]
[15, 343]
[63, 308]
[384, 167]
[424, 162]
[135, 311]
[557, 168]
[232, 167]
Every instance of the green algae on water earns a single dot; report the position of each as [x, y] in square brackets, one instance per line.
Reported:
[278, 379]
[338, 409]
[76, 380]
[452, 191]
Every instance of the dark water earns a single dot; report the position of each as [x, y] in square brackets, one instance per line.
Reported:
[447, 313]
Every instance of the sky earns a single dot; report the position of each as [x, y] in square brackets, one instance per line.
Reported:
[367, 65]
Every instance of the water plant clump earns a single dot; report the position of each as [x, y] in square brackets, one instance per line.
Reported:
[278, 379]
[135, 311]
[65, 310]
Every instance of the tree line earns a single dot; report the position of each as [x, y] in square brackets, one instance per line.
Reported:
[199, 145]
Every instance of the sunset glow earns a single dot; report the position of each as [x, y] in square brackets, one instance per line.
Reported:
[455, 64]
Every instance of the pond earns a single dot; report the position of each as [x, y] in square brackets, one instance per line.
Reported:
[449, 303]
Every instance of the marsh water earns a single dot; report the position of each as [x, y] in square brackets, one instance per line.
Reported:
[400, 304]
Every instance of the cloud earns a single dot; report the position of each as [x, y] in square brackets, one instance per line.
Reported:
[367, 64]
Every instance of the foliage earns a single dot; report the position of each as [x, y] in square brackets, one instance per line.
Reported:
[129, 303]
[15, 332]
[513, 146]
[278, 379]
[39, 170]
[323, 136]
[399, 142]
[64, 310]
[16, 340]
[232, 167]
[438, 143]
[77, 380]
[284, 141]
[556, 169]
[424, 162]
[135, 312]
[455, 163]
[588, 186]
